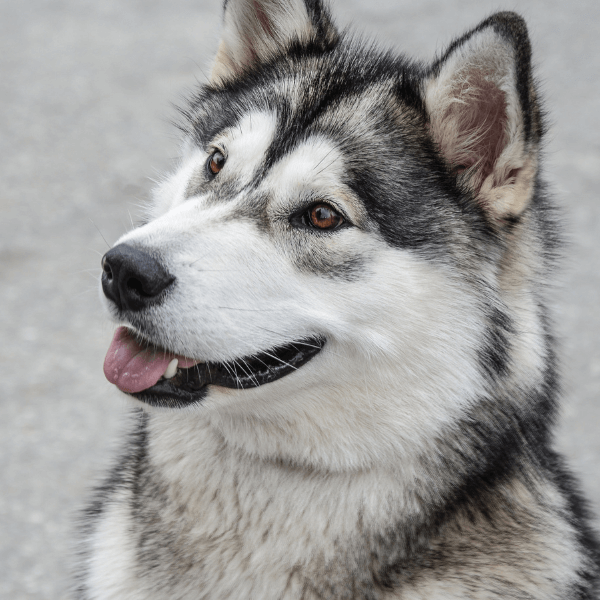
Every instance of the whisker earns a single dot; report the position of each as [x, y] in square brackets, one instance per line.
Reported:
[298, 342]
[325, 167]
[244, 309]
[239, 383]
[97, 271]
[317, 165]
[231, 370]
[89, 290]
[216, 270]
[280, 360]
[255, 357]
[249, 373]
[199, 258]
[96, 226]
[252, 376]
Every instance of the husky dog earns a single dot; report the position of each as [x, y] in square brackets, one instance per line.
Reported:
[334, 327]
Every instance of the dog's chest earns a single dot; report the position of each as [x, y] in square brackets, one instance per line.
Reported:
[196, 520]
[203, 523]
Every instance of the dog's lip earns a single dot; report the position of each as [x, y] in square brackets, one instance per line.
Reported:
[134, 364]
[189, 385]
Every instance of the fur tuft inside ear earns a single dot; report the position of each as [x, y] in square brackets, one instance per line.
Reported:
[255, 31]
[483, 114]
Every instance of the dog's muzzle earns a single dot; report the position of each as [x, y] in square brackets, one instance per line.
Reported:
[134, 280]
[161, 378]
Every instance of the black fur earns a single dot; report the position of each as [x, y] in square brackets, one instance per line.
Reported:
[512, 27]
[471, 518]
[417, 204]
[124, 475]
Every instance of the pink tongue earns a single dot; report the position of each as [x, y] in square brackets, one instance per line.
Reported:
[133, 368]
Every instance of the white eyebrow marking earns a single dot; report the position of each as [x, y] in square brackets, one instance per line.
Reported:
[246, 143]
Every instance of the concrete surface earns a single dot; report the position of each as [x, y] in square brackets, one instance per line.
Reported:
[85, 89]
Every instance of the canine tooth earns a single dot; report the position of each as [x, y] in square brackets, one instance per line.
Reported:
[171, 369]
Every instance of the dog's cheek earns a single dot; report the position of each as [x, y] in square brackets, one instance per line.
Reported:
[235, 294]
[344, 255]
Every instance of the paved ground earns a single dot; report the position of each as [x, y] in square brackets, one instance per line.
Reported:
[84, 97]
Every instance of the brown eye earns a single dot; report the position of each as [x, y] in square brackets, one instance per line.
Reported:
[322, 216]
[216, 162]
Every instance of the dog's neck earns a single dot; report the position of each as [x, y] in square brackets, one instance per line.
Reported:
[195, 460]
[207, 488]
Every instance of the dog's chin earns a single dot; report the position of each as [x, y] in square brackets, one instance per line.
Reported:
[190, 385]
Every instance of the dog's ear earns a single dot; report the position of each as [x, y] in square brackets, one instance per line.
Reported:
[484, 114]
[256, 30]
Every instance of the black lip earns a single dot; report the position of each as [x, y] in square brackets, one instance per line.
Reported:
[191, 385]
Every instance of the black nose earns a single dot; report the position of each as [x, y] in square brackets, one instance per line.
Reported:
[133, 279]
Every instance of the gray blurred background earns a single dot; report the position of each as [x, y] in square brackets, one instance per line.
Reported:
[85, 93]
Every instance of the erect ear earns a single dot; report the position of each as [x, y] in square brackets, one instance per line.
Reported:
[257, 30]
[484, 114]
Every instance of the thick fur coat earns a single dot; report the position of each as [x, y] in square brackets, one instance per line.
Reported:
[335, 331]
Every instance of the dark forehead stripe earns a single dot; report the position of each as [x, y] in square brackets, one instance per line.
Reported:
[315, 108]
[393, 168]
[319, 79]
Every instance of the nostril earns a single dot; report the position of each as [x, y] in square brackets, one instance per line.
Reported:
[132, 278]
[106, 269]
[135, 285]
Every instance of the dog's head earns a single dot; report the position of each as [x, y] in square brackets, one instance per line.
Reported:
[327, 267]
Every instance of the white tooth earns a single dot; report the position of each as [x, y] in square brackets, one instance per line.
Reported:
[171, 369]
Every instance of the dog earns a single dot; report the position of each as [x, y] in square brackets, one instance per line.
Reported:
[334, 330]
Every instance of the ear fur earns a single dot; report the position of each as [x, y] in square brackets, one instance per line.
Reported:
[256, 30]
[484, 115]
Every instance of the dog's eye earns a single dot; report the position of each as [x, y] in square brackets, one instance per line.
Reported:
[215, 163]
[323, 216]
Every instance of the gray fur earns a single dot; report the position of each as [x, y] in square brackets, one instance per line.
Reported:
[412, 457]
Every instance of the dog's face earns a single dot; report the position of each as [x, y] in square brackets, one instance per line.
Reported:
[321, 256]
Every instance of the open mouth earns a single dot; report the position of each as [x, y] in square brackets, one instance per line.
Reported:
[161, 378]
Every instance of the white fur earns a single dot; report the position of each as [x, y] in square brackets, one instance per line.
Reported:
[258, 490]
[223, 494]
[256, 30]
[387, 362]
[244, 147]
[452, 98]
[113, 556]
